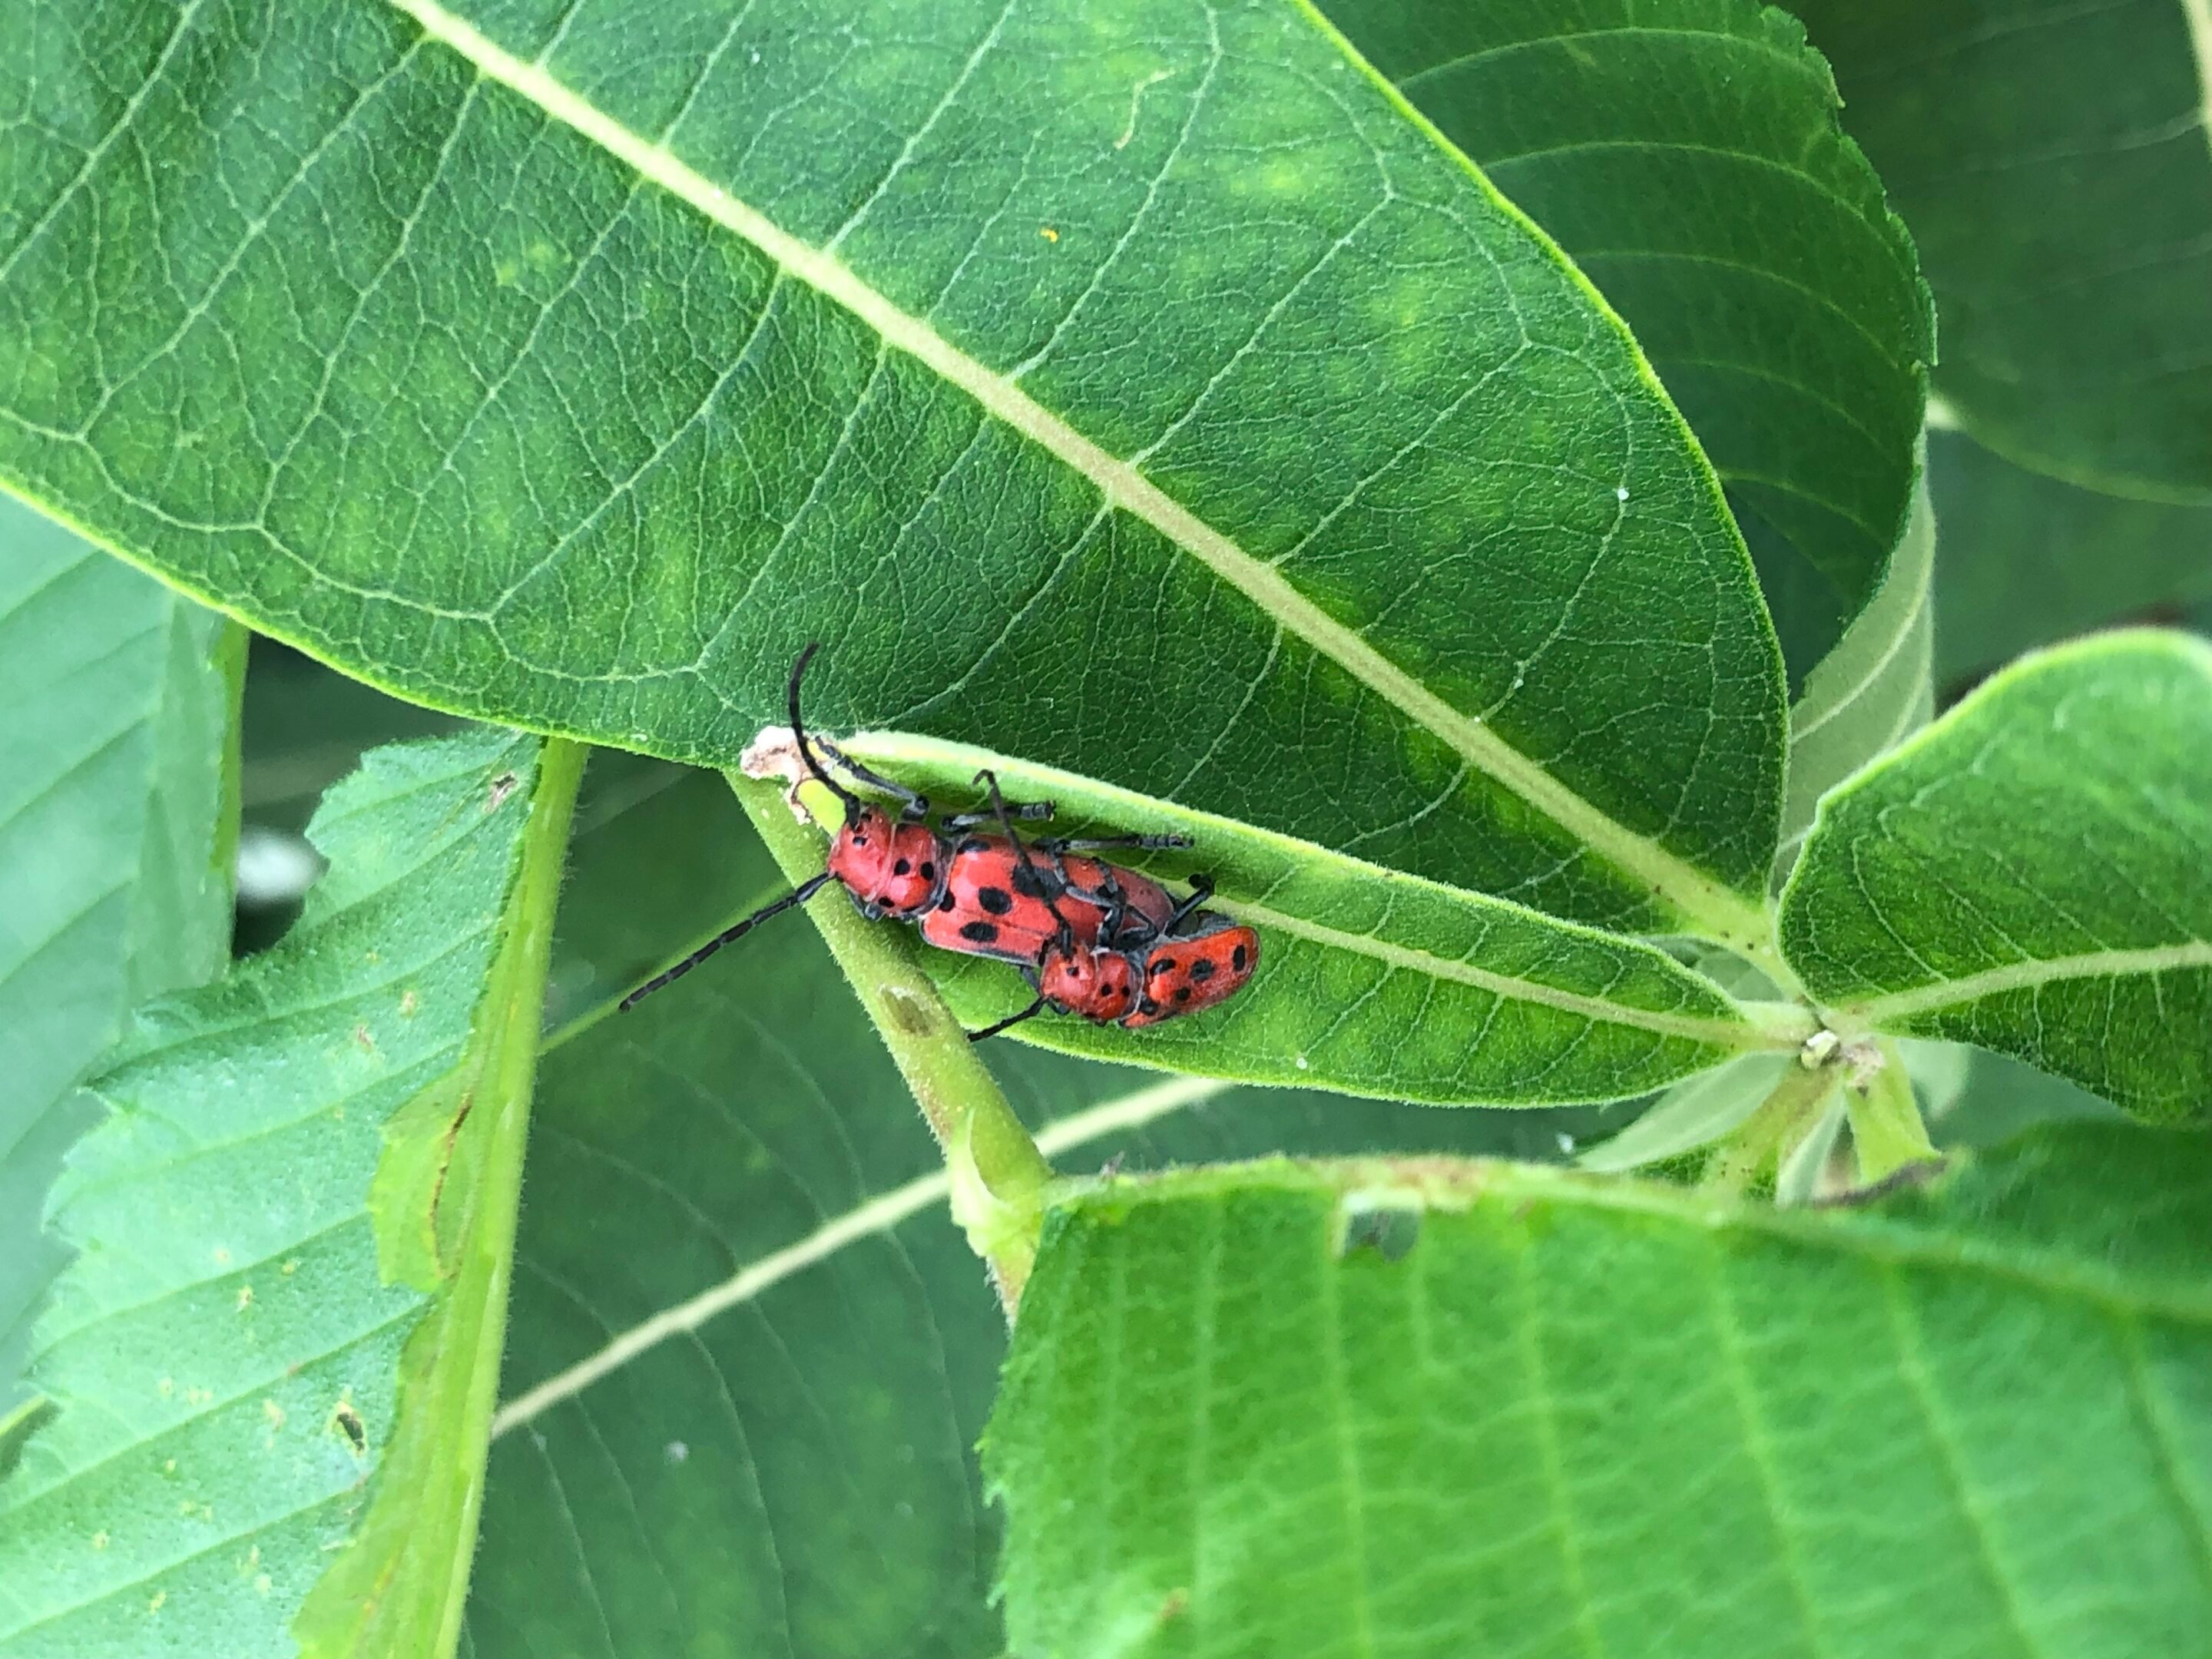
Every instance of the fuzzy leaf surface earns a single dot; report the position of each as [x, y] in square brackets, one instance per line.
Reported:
[2028, 875]
[225, 1330]
[1369, 981]
[1437, 1407]
[1687, 155]
[573, 365]
[116, 831]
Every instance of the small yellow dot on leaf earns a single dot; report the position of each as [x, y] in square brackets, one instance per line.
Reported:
[1047, 232]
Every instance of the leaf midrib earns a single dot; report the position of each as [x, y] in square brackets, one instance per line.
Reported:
[2026, 976]
[1719, 1030]
[1709, 905]
[877, 1213]
[1746, 1026]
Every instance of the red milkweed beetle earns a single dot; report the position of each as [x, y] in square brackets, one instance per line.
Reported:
[978, 894]
[1138, 969]
[1142, 980]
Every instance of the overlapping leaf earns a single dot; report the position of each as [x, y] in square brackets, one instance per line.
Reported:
[1371, 981]
[1443, 1408]
[1687, 155]
[2028, 560]
[115, 840]
[2052, 163]
[2029, 875]
[749, 1355]
[1871, 691]
[1169, 406]
[224, 1353]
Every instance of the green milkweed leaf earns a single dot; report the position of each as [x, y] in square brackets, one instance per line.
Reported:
[1186, 374]
[2052, 163]
[1694, 1113]
[749, 1353]
[1876, 688]
[2028, 875]
[229, 1365]
[1369, 981]
[116, 829]
[1687, 156]
[1435, 1407]
[2028, 560]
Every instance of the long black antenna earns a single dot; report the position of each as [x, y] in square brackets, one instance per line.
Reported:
[1034, 1008]
[803, 891]
[805, 748]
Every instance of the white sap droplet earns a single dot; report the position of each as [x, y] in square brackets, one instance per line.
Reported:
[1622, 492]
[1301, 1062]
[274, 867]
[678, 1451]
[1566, 1142]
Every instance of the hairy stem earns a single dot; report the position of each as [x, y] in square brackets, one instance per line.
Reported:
[998, 1174]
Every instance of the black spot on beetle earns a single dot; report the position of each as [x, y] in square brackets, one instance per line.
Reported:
[1237, 958]
[945, 903]
[1032, 882]
[929, 870]
[901, 868]
[997, 900]
[1202, 968]
[1164, 965]
[1148, 1007]
[1183, 994]
[982, 932]
[969, 844]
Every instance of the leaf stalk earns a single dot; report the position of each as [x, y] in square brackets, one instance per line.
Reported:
[999, 1177]
[1887, 1129]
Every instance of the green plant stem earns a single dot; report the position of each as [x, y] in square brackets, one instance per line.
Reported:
[1756, 1149]
[998, 1176]
[1887, 1129]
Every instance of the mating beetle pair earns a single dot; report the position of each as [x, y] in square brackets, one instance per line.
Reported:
[1106, 944]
